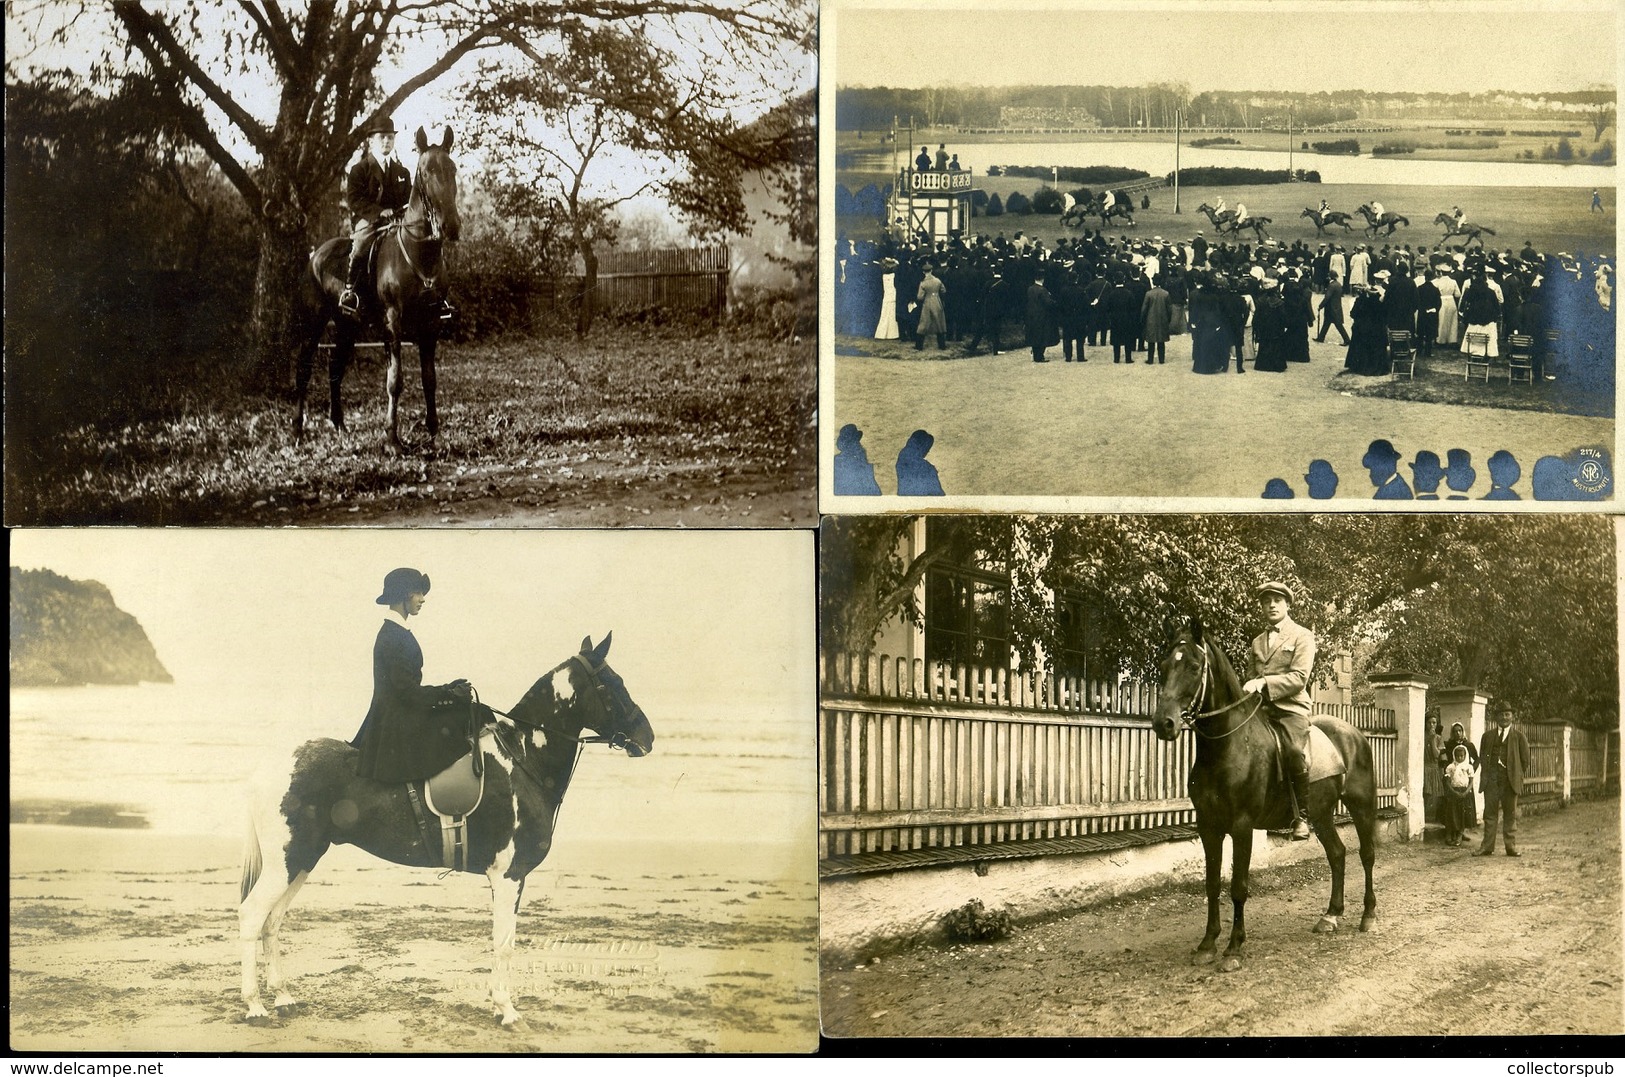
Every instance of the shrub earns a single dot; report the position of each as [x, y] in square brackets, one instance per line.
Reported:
[1220, 140]
[1387, 148]
[1565, 150]
[1218, 176]
[995, 208]
[1018, 203]
[1603, 154]
[843, 201]
[973, 923]
[1341, 145]
[1090, 174]
[1048, 200]
[869, 202]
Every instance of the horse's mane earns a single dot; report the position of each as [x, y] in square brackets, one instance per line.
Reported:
[1225, 676]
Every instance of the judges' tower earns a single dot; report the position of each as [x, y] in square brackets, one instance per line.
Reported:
[933, 204]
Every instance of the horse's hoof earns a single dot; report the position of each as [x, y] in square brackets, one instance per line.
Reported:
[1204, 957]
[1231, 963]
[1368, 924]
[1326, 925]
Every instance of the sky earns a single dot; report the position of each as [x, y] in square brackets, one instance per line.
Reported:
[709, 619]
[1302, 45]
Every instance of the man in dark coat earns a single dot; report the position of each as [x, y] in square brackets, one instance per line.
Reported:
[1156, 321]
[1399, 302]
[411, 730]
[1428, 301]
[1199, 250]
[1042, 330]
[1504, 756]
[1331, 311]
[376, 192]
[1122, 317]
[1072, 307]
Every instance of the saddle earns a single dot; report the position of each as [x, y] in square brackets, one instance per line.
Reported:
[1325, 761]
[443, 803]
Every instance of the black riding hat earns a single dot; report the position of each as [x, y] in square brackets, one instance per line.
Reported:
[400, 583]
[384, 125]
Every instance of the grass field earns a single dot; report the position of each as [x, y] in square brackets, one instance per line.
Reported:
[652, 427]
[1554, 219]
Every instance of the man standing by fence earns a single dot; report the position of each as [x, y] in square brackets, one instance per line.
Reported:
[1504, 755]
[1282, 659]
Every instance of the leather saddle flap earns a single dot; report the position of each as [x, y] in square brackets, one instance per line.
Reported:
[455, 790]
[1325, 761]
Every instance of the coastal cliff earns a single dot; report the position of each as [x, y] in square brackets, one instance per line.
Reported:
[70, 632]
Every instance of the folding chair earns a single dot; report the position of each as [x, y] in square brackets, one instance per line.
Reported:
[1521, 358]
[1475, 349]
[1401, 353]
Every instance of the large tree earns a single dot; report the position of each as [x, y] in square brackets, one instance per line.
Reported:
[1524, 607]
[277, 95]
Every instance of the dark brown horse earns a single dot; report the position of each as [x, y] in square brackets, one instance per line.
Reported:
[298, 812]
[400, 297]
[1238, 785]
[1330, 219]
[1375, 224]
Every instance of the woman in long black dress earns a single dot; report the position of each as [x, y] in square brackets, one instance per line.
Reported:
[1210, 346]
[1270, 329]
[1368, 342]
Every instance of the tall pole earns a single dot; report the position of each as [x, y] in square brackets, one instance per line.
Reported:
[1289, 145]
[1179, 118]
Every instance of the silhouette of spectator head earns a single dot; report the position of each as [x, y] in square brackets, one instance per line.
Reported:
[915, 474]
[1504, 474]
[1322, 479]
[1382, 460]
[854, 474]
[1427, 472]
[1458, 472]
[1277, 488]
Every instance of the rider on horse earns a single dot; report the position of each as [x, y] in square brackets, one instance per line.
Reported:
[412, 730]
[1324, 207]
[1283, 657]
[1219, 210]
[1107, 200]
[376, 192]
[1460, 218]
[1376, 208]
[1241, 213]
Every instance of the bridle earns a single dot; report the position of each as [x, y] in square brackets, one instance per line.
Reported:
[421, 213]
[1191, 713]
[607, 706]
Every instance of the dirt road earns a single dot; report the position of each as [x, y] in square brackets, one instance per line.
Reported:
[1125, 969]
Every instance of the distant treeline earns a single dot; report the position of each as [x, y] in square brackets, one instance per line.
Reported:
[1502, 132]
[1339, 145]
[876, 108]
[1216, 176]
[1218, 140]
[1069, 174]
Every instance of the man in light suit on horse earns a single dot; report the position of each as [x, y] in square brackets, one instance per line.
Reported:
[1283, 656]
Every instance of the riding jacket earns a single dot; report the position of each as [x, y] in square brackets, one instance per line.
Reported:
[370, 189]
[411, 730]
[1285, 667]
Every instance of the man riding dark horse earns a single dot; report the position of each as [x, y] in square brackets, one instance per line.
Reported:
[376, 191]
[1283, 657]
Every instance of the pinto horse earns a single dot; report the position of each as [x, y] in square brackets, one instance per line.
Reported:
[401, 296]
[1331, 218]
[529, 757]
[1237, 784]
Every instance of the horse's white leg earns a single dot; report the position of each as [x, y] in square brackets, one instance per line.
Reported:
[252, 917]
[505, 894]
[273, 942]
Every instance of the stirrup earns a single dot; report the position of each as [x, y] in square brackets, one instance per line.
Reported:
[1300, 829]
[349, 301]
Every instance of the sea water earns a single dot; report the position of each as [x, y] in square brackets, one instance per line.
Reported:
[180, 755]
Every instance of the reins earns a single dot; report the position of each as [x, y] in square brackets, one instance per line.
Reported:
[1189, 716]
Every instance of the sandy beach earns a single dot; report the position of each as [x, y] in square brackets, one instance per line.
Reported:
[127, 941]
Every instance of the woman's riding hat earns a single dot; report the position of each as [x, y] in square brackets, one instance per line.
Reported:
[1273, 587]
[402, 582]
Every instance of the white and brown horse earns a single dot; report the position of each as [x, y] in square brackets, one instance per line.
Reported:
[529, 757]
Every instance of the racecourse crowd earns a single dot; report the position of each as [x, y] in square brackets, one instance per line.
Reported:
[1242, 303]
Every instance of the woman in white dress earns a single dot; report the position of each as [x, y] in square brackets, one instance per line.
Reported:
[887, 328]
[1449, 293]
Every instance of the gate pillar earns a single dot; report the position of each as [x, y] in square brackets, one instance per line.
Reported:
[1406, 695]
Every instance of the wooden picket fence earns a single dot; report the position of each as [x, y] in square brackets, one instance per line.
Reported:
[919, 755]
[1591, 762]
[677, 278]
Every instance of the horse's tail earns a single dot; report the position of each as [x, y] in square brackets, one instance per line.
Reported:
[1486, 228]
[253, 863]
[1406, 221]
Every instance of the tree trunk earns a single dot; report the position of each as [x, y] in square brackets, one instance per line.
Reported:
[268, 353]
[589, 289]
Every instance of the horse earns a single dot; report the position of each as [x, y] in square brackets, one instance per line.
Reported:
[1326, 220]
[1257, 224]
[402, 298]
[1373, 223]
[529, 756]
[1120, 208]
[1237, 784]
[1222, 222]
[1471, 231]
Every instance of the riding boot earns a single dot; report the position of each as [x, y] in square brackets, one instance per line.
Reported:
[1300, 797]
[349, 300]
